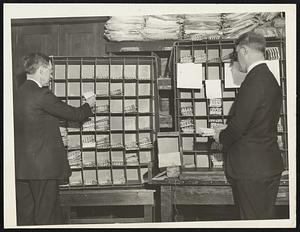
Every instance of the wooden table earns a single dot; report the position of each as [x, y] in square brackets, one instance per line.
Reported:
[108, 197]
[212, 189]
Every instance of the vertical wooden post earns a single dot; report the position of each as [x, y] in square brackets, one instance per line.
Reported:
[166, 203]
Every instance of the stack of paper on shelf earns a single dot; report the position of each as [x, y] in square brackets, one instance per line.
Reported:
[145, 143]
[88, 141]
[187, 125]
[131, 146]
[235, 24]
[130, 109]
[131, 159]
[74, 158]
[124, 28]
[103, 142]
[206, 132]
[215, 102]
[216, 122]
[116, 92]
[186, 111]
[200, 56]
[102, 123]
[102, 109]
[164, 27]
[200, 26]
[75, 178]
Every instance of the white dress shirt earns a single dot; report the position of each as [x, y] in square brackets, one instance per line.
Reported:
[28, 78]
[254, 64]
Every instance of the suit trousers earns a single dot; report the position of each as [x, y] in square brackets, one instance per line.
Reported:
[255, 199]
[38, 202]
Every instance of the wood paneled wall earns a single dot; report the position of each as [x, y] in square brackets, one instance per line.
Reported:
[57, 37]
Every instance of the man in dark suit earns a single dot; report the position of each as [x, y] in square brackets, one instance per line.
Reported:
[40, 156]
[253, 163]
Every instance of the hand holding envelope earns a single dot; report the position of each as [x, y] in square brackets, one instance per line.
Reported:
[217, 131]
[90, 98]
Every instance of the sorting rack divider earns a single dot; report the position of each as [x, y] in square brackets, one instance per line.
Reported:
[215, 50]
[132, 90]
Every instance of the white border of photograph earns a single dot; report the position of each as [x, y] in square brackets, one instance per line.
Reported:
[22, 11]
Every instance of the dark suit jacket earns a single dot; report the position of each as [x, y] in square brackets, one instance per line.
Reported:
[39, 150]
[250, 139]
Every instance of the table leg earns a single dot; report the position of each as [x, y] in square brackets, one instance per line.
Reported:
[166, 203]
[148, 213]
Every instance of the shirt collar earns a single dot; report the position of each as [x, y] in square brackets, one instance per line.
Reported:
[255, 64]
[28, 78]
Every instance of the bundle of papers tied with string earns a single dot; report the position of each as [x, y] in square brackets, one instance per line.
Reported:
[74, 158]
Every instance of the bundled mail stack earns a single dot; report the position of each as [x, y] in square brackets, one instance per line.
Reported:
[266, 23]
[187, 125]
[132, 159]
[271, 24]
[202, 26]
[162, 27]
[124, 28]
[131, 146]
[74, 158]
[215, 106]
[194, 26]
[102, 108]
[235, 24]
[138, 28]
[103, 142]
[101, 123]
[145, 143]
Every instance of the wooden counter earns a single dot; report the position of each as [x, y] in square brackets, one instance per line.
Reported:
[111, 198]
[207, 189]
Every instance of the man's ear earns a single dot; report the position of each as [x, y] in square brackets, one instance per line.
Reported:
[244, 50]
[40, 70]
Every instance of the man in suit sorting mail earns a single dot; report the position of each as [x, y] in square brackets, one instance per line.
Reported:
[40, 156]
[253, 163]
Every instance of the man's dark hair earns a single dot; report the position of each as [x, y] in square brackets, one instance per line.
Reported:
[35, 60]
[252, 40]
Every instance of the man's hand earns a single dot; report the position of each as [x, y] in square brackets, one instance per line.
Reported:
[217, 132]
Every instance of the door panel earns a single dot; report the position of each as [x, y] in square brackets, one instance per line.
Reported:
[84, 39]
[31, 38]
